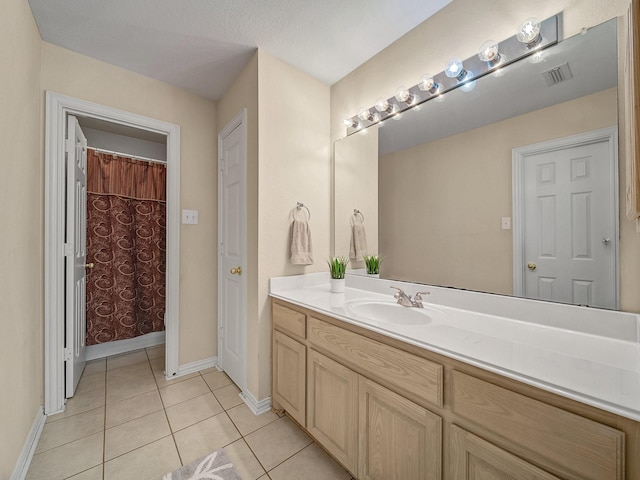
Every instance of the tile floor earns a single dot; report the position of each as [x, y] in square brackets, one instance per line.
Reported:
[127, 421]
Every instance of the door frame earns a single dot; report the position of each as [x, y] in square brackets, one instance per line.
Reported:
[57, 108]
[519, 156]
[239, 121]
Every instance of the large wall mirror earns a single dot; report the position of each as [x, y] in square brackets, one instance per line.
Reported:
[531, 153]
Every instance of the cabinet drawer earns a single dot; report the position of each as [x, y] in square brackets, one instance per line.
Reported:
[415, 377]
[571, 446]
[289, 321]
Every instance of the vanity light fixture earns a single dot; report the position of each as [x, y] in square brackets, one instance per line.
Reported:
[455, 69]
[532, 37]
[428, 84]
[529, 32]
[490, 53]
[404, 95]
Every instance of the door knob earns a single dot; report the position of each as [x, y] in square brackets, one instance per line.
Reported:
[605, 241]
[531, 266]
[88, 265]
[236, 271]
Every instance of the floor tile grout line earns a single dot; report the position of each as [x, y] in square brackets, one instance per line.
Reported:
[164, 409]
[225, 409]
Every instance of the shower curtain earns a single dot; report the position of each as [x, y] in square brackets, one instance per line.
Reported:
[126, 242]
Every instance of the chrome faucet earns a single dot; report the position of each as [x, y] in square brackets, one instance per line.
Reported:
[406, 301]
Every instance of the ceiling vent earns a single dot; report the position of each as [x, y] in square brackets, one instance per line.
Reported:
[557, 74]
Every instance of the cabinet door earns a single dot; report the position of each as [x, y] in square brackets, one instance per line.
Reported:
[332, 415]
[399, 440]
[475, 459]
[289, 375]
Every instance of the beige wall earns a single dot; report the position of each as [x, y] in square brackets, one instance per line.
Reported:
[356, 186]
[455, 31]
[244, 94]
[441, 225]
[21, 241]
[287, 162]
[69, 73]
[294, 167]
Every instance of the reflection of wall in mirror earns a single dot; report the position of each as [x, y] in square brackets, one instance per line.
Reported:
[448, 231]
[356, 187]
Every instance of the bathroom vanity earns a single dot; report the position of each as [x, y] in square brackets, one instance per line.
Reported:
[445, 392]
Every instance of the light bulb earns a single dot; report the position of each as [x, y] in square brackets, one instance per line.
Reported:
[383, 106]
[364, 114]
[350, 122]
[403, 95]
[490, 53]
[529, 32]
[375, 118]
[455, 69]
[468, 86]
[428, 84]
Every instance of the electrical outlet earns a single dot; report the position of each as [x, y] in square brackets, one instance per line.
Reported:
[506, 223]
[190, 217]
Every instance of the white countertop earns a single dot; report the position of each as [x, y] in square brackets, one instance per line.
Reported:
[586, 354]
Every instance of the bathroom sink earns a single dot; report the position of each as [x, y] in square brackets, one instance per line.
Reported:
[389, 312]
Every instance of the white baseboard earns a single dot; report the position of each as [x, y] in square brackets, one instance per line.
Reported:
[256, 406]
[193, 367]
[121, 346]
[24, 460]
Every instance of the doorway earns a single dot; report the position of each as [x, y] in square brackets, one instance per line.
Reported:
[126, 253]
[58, 349]
[565, 195]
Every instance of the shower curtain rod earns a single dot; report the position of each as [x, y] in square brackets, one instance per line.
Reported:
[128, 155]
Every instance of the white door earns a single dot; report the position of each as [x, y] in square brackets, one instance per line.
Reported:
[76, 254]
[570, 228]
[232, 246]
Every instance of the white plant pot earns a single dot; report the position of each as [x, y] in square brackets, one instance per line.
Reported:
[337, 285]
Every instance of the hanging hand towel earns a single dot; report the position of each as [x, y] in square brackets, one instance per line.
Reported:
[358, 239]
[301, 250]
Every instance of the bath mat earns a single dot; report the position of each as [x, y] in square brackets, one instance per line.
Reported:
[215, 466]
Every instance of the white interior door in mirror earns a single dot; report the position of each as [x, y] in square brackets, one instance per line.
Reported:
[75, 255]
[570, 234]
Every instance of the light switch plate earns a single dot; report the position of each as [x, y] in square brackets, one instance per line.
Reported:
[506, 223]
[190, 217]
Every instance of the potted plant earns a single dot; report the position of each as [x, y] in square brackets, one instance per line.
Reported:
[337, 268]
[372, 262]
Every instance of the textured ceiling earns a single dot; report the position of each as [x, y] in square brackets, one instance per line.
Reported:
[202, 45]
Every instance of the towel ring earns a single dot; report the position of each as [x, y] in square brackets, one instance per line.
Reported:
[358, 212]
[302, 205]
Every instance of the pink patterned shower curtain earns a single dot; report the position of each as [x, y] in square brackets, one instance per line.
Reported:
[126, 242]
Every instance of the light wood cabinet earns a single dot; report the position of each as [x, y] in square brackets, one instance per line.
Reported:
[332, 413]
[472, 458]
[399, 440]
[387, 410]
[570, 445]
[410, 375]
[289, 375]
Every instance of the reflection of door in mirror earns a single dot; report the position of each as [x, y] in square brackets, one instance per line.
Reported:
[356, 187]
[565, 237]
